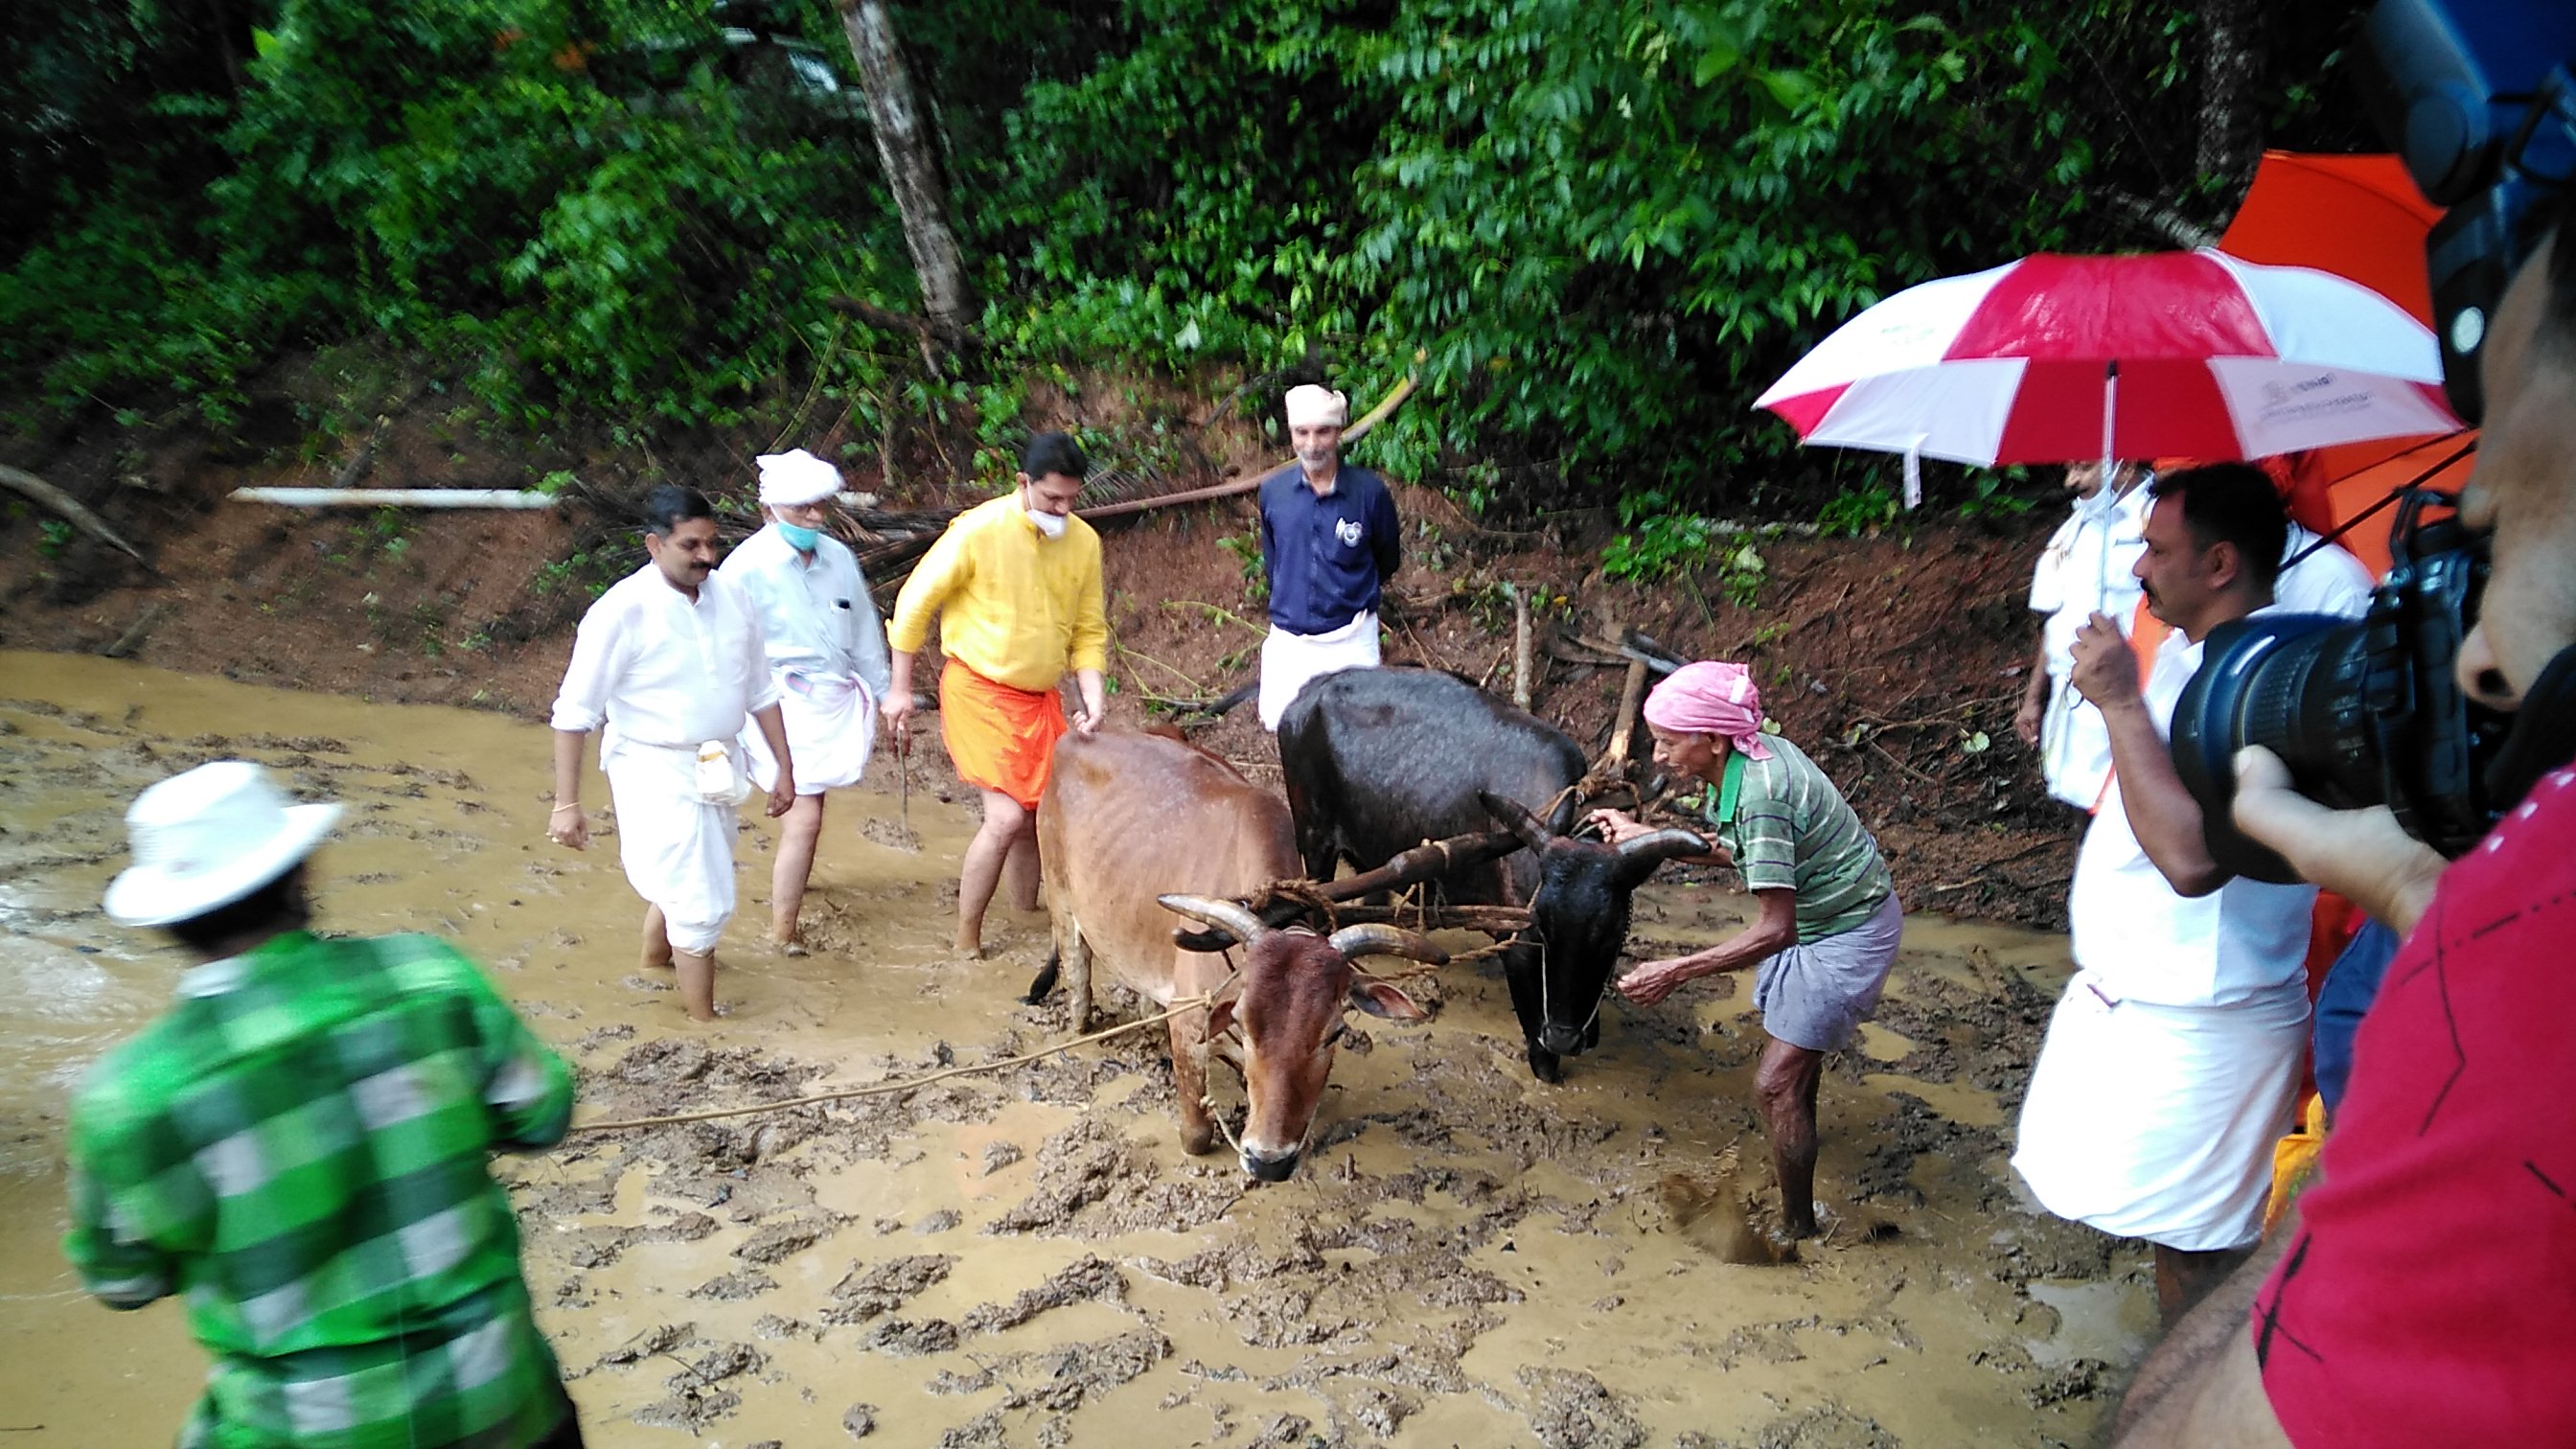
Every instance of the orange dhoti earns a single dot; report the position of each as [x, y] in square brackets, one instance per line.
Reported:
[999, 738]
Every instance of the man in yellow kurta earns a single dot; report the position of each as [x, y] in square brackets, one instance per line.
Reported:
[1016, 583]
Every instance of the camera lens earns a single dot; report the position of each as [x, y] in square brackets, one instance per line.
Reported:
[2292, 683]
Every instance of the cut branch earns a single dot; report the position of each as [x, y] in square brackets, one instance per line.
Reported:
[72, 509]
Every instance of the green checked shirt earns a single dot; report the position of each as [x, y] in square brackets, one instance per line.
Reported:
[1792, 830]
[298, 1146]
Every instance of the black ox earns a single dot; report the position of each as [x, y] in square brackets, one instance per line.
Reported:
[1379, 760]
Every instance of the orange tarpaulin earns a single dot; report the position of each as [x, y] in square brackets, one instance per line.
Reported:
[2359, 217]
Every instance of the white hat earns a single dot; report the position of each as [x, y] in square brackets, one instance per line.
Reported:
[1309, 404]
[796, 476]
[206, 839]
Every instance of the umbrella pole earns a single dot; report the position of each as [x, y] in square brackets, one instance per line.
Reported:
[2110, 411]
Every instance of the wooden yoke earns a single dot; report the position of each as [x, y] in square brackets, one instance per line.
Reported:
[1412, 867]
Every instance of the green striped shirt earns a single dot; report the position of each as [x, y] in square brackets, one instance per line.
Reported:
[298, 1147]
[1792, 830]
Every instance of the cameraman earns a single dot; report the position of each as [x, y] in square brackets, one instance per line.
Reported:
[2422, 1290]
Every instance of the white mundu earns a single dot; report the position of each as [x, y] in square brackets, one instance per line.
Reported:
[665, 675]
[826, 653]
[1289, 660]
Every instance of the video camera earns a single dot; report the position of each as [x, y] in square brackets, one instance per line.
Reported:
[2479, 99]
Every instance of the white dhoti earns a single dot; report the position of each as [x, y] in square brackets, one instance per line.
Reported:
[831, 729]
[2158, 1122]
[676, 845]
[1289, 660]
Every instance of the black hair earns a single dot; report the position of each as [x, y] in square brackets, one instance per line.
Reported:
[669, 505]
[1054, 452]
[2232, 503]
[278, 906]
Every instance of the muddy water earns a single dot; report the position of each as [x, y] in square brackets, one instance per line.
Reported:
[1026, 1258]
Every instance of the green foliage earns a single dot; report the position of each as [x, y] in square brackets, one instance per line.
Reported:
[1856, 512]
[1658, 547]
[1246, 548]
[1592, 229]
[1991, 495]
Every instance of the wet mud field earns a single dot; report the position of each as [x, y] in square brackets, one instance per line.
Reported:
[1025, 1257]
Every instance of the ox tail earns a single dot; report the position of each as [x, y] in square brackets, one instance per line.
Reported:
[1044, 982]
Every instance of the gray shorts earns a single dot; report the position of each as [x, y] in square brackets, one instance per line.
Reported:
[1817, 995]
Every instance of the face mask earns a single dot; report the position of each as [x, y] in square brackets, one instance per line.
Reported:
[800, 539]
[1050, 524]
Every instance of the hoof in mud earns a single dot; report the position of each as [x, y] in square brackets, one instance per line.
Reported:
[1043, 983]
[791, 948]
[1545, 1066]
[1198, 1143]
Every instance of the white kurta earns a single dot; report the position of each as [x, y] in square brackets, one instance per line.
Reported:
[826, 652]
[2329, 581]
[666, 674]
[1289, 660]
[2090, 564]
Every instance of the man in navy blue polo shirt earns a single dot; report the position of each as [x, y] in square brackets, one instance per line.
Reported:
[1329, 540]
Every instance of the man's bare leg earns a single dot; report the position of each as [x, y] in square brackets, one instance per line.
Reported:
[2182, 1277]
[697, 982]
[798, 830]
[657, 939]
[1005, 822]
[1784, 1088]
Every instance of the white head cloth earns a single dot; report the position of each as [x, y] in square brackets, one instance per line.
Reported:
[1309, 404]
[796, 477]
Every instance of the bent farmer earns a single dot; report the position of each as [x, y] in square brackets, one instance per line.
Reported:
[297, 1146]
[670, 660]
[1828, 923]
[827, 661]
[1015, 584]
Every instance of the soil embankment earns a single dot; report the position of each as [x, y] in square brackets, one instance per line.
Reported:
[1894, 659]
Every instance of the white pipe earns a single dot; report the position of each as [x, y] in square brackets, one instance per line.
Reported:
[396, 497]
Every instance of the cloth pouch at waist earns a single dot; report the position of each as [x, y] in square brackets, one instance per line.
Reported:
[712, 771]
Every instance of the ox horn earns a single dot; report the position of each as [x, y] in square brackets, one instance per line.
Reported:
[1661, 845]
[1377, 939]
[1231, 916]
[1532, 831]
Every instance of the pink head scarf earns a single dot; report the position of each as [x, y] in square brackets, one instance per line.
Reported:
[1711, 698]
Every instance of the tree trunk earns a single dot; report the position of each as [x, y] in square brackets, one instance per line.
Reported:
[911, 167]
[2231, 69]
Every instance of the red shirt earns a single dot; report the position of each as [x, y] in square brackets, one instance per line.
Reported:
[2430, 1296]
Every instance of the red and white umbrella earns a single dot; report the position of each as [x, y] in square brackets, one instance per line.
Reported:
[2057, 358]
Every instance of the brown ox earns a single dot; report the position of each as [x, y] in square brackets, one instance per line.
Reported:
[1126, 818]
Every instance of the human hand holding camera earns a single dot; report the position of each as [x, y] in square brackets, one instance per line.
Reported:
[2362, 855]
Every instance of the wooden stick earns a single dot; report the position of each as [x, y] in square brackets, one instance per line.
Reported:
[1423, 862]
[1632, 698]
[72, 509]
[132, 639]
[1492, 920]
[1246, 484]
[1520, 646]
